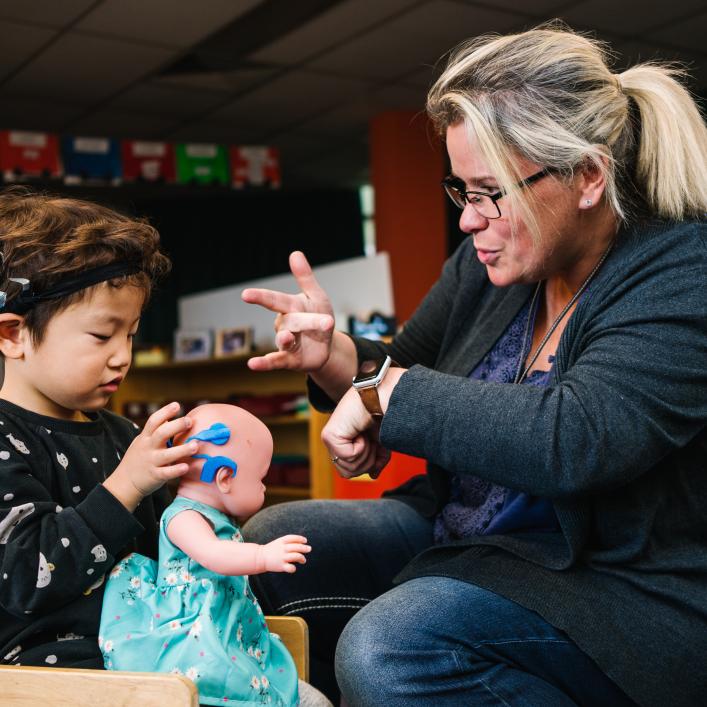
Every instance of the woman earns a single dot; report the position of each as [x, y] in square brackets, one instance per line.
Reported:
[555, 378]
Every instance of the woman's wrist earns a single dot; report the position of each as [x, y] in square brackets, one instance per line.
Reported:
[335, 376]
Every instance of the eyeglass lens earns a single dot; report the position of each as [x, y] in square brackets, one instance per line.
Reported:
[483, 204]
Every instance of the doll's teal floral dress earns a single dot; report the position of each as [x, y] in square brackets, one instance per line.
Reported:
[175, 616]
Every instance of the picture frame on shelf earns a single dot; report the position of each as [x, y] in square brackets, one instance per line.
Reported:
[234, 341]
[192, 345]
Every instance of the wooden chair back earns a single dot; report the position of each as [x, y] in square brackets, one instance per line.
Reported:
[29, 686]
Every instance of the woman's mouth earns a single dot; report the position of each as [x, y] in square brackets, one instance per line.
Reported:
[487, 257]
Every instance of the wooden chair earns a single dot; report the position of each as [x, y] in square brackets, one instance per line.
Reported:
[27, 686]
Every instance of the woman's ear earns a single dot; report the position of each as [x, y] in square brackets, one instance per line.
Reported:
[12, 335]
[592, 184]
[224, 479]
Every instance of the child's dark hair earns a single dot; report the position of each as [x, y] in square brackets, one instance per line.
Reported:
[47, 238]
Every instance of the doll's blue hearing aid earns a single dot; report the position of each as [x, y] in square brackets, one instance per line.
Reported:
[219, 434]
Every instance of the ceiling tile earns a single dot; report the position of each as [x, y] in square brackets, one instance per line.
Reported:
[415, 39]
[330, 29]
[175, 23]
[690, 34]
[167, 101]
[35, 114]
[120, 124]
[290, 98]
[537, 7]
[85, 69]
[45, 12]
[226, 81]
[628, 17]
[19, 42]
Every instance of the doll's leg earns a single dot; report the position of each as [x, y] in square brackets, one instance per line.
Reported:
[439, 641]
[357, 549]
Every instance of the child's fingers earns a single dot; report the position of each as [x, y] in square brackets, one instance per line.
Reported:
[174, 471]
[171, 428]
[161, 416]
[171, 455]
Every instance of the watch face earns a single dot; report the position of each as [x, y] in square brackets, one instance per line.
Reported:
[367, 371]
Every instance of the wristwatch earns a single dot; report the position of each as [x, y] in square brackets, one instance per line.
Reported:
[370, 375]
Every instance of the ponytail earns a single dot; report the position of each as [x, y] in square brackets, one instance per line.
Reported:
[671, 160]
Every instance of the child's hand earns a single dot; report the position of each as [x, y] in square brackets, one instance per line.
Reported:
[148, 462]
[281, 554]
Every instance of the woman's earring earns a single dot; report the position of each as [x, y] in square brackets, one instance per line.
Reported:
[588, 202]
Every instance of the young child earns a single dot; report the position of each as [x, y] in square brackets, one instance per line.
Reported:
[79, 487]
[193, 612]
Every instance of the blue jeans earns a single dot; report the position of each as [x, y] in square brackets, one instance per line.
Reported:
[432, 640]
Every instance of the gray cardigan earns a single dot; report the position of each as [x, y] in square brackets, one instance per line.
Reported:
[617, 440]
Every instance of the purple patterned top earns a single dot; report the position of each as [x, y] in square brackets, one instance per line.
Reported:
[478, 507]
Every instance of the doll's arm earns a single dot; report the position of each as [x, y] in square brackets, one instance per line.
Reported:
[193, 534]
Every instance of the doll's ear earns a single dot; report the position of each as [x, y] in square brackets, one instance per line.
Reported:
[224, 479]
[12, 339]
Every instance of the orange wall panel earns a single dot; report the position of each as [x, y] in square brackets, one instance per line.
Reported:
[407, 166]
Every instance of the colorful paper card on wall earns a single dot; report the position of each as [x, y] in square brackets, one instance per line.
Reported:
[202, 163]
[255, 166]
[29, 154]
[145, 161]
[91, 159]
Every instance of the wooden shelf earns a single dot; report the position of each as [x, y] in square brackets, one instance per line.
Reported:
[289, 491]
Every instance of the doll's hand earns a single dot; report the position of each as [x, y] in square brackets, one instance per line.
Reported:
[281, 555]
[148, 462]
[304, 324]
[351, 436]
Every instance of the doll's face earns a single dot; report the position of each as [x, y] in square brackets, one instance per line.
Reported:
[249, 445]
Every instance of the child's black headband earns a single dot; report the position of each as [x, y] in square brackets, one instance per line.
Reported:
[22, 302]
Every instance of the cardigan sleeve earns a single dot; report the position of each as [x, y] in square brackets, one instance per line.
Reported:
[631, 389]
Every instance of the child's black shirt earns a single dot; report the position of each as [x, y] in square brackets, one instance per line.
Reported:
[61, 532]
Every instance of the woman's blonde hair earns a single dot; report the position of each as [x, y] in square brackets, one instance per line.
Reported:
[549, 95]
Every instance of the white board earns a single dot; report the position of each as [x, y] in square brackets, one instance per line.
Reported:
[357, 286]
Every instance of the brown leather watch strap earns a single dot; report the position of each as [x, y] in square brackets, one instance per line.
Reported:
[371, 401]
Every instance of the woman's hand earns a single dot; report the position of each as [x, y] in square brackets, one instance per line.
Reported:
[148, 462]
[351, 436]
[304, 324]
[281, 555]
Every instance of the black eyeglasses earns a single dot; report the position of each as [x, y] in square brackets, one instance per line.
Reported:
[485, 204]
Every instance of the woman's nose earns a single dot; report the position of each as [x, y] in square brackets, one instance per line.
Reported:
[471, 220]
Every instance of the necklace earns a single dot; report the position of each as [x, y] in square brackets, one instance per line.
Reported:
[520, 376]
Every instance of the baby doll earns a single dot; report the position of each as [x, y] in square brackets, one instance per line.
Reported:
[193, 612]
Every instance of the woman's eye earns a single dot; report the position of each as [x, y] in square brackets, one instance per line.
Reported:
[100, 337]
